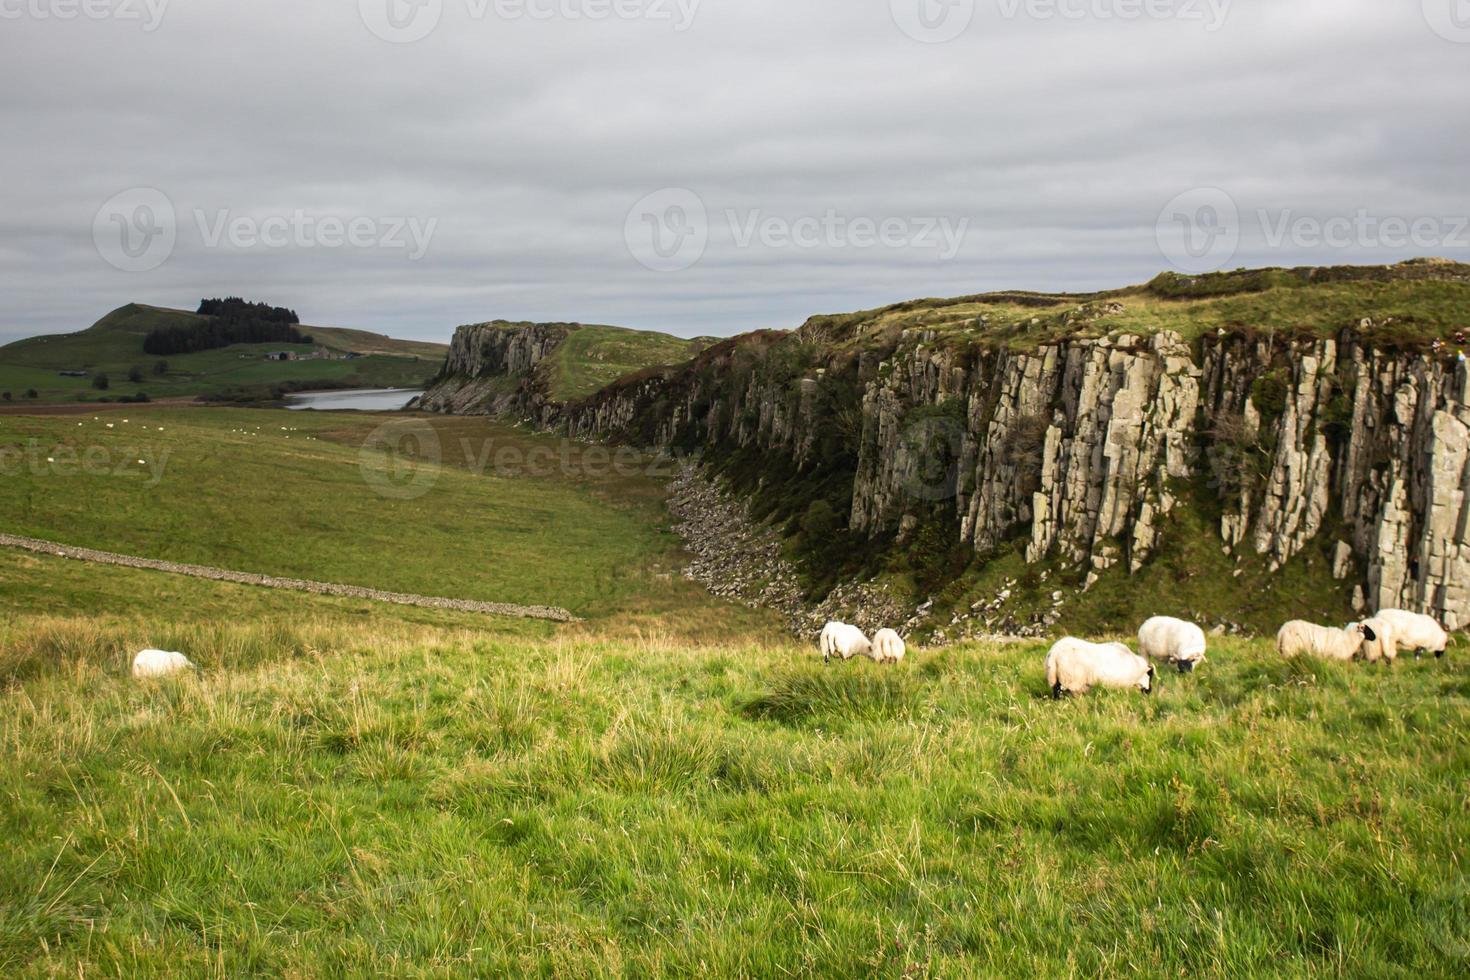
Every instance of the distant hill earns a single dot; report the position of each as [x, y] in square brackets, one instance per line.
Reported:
[113, 346]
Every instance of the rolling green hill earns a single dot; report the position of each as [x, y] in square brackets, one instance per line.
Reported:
[114, 346]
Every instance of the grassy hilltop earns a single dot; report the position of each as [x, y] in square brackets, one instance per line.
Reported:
[114, 345]
[1407, 305]
[669, 786]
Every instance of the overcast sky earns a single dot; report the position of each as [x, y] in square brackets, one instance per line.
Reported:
[706, 166]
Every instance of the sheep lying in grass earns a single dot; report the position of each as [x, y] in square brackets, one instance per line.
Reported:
[159, 663]
[1384, 645]
[888, 647]
[1075, 666]
[1298, 637]
[842, 640]
[1414, 631]
[1173, 641]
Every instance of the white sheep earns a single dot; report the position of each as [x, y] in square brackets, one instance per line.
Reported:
[888, 647]
[1385, 645]
[1414, 631]
[1173, 641]
[1298, 637]
[842, 640]
[1075, 666]
[159, 663]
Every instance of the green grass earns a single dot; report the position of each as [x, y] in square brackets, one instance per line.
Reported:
[1409, 304]
[593, 357]
[428, 802]
[234, 488]
[666, 788]
[114, 345]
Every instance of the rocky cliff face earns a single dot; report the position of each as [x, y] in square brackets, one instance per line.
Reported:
[1082, 449]
[491, 369]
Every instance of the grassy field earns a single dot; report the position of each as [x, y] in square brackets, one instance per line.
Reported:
[298, 494]
[349, 799]
[669, 787]
[593, 357]
[114, 345]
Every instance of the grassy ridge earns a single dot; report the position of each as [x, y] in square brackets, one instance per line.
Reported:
[593, 357]
[426, 801]
[1407, 305]
[114, 345]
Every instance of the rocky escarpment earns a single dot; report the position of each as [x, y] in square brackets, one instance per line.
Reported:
[1080, 452]
[491, 369]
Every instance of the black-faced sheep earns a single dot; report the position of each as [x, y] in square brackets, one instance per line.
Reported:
[1414, 631]
[1173, 641]
[1075, 666]
[1298, 637]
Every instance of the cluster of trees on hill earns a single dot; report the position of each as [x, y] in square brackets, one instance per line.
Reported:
[231, 321]
[233, 307]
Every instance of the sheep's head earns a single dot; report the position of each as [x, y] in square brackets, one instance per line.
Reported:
[1147, 684]
[1184, 666]
[1367, 632]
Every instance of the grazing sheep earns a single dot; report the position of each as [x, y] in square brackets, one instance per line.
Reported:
[1298, 637]
[1173, 641]
[159, 663]
[1075, 666]
[842, 640]
[1414, 631]
[888, 647]
[1385, 644]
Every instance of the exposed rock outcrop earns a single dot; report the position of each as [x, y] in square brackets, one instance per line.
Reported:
[1082, 448]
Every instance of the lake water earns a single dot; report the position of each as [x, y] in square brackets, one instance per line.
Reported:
[358, 400]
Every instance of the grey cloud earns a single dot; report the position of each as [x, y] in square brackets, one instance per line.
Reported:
[1057, 141]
